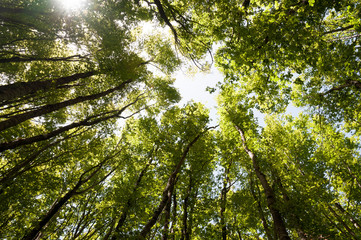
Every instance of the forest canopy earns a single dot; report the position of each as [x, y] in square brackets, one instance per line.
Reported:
[94, 145]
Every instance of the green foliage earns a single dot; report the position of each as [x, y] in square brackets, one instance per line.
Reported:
[91, 136]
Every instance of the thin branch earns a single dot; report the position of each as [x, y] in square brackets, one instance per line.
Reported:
[339, 29]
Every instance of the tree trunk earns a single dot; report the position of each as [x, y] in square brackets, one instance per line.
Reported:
[278, 221]
[174, 216]
[352, 219]
[15, 120]
[21, 58]
[89, 121]
[353, 175]
[21, 89]
[294, 217]
[185, 231]
[342, 222]
[167, 193]
[166, 219]
[334, 224]
[224, 192]
[131, 200]
[260, 211]
[36, 231]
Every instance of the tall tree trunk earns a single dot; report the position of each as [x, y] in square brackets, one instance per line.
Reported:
[348, 229]
[23, 58]
[352, 219]
[239, 234]
[167, 211]
[190, 215]
[131, 199]
[35, 232]
[21, 89]
[185, 231]
[167, 193]
[174, 215]
[89, 121]
[15, 120]
[294, 217]
[224, 192]
[278, 221]
[260, 211]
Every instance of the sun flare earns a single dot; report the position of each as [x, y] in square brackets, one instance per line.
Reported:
[72, 5]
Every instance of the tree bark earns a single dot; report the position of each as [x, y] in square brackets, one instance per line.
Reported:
[21, 58]
[260, 211]
[334, 224]
[15, 120]
[130, 201]
[45, 220]
[342, 222]
[352, 219]
[278, 221]
[174, 215]
[167, 211]
[353, 175]
[167, 193]
[349, 83]
[294, 217]
[89, 121]
[21, 89]
[185, 231]
[163, 15]
[224, 192]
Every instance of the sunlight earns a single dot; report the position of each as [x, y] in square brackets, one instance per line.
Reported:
[71, 5]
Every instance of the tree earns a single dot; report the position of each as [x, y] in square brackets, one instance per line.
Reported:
[93, 146]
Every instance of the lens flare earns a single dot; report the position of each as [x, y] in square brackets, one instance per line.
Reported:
[72, 5]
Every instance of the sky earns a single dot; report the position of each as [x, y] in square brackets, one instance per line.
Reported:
[193, 87]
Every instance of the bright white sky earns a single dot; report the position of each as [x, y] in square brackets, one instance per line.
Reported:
[71, 5]
[194, 88]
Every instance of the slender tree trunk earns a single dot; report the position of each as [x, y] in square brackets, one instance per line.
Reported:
[224, 192]
[89, 121]
[294, 217]
[279, 224]
[31, 12]
[44, 221]
[174, 216]
[239, 234]
[185, 231]
[352, 219]
[167, 193]
[36, 58]
[30, 162]
[260, 211]
[334, 224]
[15, 120]
[35, 232]
[348, 229]
[21, 89]
[131, 200]
[190, 216]
[109, 232]
[223, 209]
[167, 211]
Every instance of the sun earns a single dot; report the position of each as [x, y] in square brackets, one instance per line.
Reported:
[72, 5]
